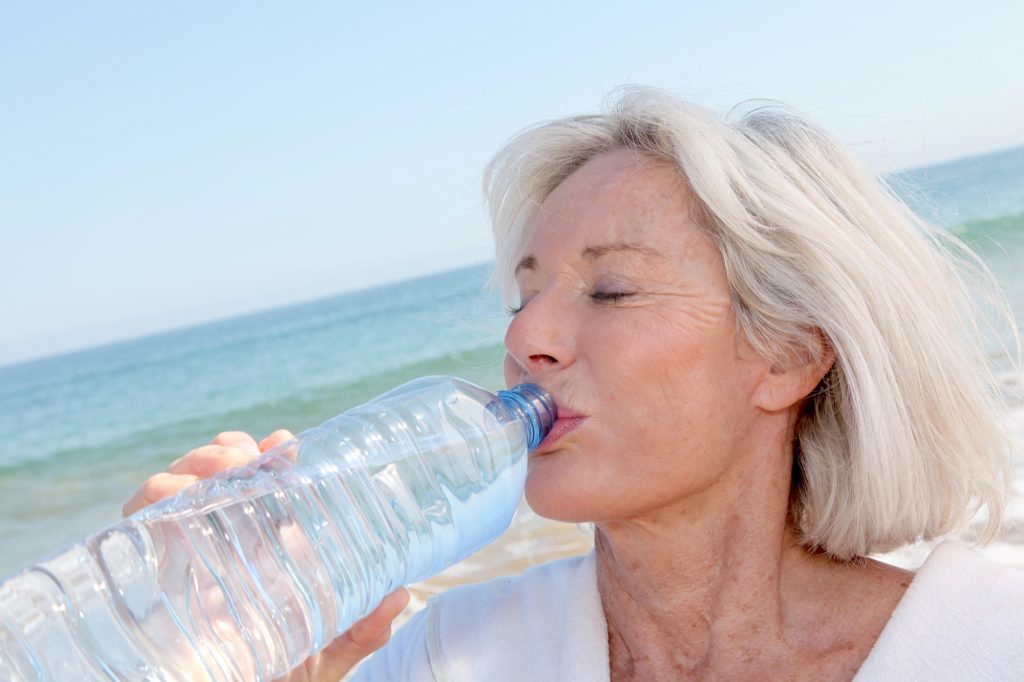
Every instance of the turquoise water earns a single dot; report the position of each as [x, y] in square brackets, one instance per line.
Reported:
[981, 199]
[81, 431]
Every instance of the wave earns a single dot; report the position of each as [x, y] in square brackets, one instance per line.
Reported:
[1005, 225]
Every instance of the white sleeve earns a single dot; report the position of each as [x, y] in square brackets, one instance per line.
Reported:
[404, 658]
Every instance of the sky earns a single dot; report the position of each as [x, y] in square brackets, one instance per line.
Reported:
[165, 164]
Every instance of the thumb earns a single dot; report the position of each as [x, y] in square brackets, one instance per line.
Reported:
[363, 638]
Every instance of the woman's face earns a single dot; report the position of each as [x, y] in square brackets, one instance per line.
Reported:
[627, 320]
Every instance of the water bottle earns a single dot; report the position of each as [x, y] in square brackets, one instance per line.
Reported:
[245, 575]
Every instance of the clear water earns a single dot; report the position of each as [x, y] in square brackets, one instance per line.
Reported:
[250, 573]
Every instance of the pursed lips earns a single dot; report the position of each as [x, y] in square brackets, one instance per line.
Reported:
[568, 420]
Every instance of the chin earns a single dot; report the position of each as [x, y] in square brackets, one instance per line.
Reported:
[556, 501]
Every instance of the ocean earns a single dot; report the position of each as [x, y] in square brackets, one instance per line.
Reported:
[81, 431]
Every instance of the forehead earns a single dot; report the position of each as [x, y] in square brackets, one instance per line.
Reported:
[617, 197]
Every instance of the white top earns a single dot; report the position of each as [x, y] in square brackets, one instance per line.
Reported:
[961, 618]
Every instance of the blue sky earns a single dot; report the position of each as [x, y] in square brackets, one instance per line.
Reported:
[166, 164]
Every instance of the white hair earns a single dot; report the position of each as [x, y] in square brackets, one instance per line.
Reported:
[903, 439]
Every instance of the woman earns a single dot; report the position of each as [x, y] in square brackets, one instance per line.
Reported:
[766, 368]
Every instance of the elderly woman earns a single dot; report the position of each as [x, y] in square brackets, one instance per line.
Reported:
[766, 369]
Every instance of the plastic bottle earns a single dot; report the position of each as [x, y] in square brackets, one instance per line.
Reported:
[245, 575]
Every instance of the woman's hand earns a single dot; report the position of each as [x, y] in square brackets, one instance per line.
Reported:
[232, 449]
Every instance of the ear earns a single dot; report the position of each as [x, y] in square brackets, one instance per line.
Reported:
[782, 387]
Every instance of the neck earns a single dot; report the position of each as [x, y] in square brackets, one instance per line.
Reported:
[708, 570]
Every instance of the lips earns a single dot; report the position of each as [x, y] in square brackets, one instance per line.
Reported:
[568, 420]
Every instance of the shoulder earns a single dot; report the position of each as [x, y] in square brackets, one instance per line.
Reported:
[969, 585]
[508, 628]
[961, 617]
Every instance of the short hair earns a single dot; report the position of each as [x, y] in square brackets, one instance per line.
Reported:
[903, 439]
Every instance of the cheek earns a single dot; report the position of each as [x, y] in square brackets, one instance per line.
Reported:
[672, 391]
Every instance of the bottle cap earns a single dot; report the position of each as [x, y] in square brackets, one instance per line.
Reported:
[535, 406]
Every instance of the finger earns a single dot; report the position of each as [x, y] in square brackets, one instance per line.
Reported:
[156, 488]
[367, 631]
[208, 460]
[363, 638]
[285, 455]
[237, 438]
[204, 461]
[275, 439]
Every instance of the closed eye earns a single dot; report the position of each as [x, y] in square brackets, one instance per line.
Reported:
[610, 296]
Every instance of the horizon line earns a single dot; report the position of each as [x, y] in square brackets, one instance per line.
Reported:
[197, 324]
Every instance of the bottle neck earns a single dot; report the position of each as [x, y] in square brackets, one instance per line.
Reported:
[534, 407]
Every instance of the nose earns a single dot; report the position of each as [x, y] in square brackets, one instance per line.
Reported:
[540, 339]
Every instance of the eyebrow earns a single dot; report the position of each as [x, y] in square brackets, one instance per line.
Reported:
[593, 253]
